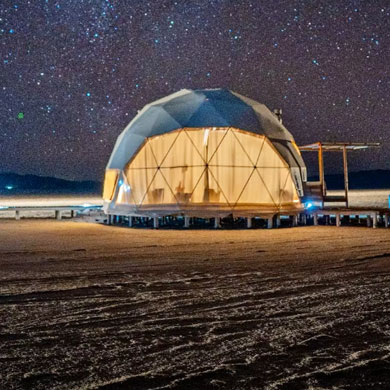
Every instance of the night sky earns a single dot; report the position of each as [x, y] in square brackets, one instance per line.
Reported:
[73, 73]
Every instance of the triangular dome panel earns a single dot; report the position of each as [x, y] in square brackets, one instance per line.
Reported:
[182, 153]
[144, 158]
[206, 113]
[269, 157]
[256, 192]
[231, 180]
[230, 153]
[183, 181]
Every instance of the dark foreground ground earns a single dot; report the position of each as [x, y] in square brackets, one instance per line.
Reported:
[85, 306]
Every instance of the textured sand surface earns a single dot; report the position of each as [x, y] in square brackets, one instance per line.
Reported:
[86, 306]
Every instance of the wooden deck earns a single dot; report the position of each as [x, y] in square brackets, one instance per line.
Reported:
[58, 211]
[372, 216]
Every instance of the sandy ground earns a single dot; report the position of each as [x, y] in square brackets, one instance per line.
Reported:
[87, 306]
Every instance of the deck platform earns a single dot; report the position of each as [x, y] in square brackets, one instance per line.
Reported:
[372, 216]
[57, 211]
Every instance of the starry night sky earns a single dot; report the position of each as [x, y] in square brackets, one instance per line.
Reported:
[73, 73]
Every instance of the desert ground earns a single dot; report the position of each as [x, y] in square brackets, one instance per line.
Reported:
[88, 306]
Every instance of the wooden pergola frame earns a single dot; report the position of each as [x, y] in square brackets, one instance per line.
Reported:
[343, 147]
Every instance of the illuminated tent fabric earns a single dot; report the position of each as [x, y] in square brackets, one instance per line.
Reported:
[205, 153]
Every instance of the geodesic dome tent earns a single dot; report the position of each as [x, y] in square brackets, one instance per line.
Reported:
[204, 153]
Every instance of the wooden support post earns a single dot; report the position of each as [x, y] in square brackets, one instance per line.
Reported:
[374, 220]
[295, 220]
[17, 214]
[338, 222]
[270, 223]
[72, 213]
[386, 217]
[346, 181]
[155, 222]
[315, 219]
[249, 222]
[58, 215]
[130, 221]
[321, 169]
[186, 222]
[217, 222]
[278, 221]
[304, 219]
[368, 220]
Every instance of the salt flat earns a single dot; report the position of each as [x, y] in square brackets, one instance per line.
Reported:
[87, 306]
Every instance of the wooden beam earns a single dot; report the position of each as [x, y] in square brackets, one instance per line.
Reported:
[374, 220]
[249, 222]
[217, 222]
[270, 223]
[186, 222]
[321, 168]
[278, 221]
[155, 222]
[346, 181]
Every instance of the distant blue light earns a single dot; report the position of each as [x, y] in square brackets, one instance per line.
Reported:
[315, 62]
[9, 187]
[11, 31]
[88, 94]
[308, 205]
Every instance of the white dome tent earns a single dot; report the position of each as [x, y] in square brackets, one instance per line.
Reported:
[205, 153]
